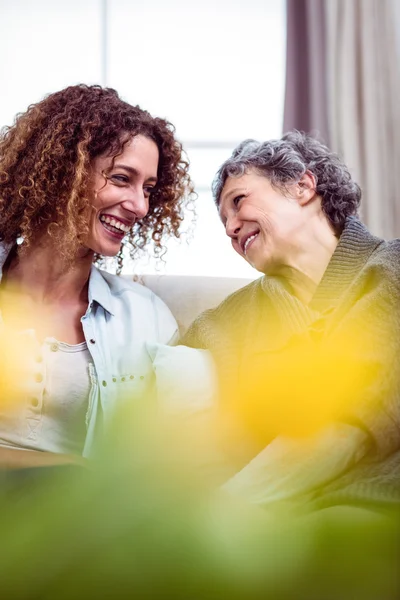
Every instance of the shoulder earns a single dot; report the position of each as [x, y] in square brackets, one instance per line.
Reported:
[374, 294]
[128, 299]
[242, 297]
[237, 301]
[361, 251]
[219, 321]
[384, 263]
[388, 252]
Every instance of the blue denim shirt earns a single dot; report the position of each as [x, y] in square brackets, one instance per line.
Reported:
[121, 317]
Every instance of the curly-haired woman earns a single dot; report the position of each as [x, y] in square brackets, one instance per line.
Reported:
[311, 348]
[83, 175]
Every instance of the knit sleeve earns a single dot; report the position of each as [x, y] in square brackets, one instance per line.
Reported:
[215, 328]
[200, 333]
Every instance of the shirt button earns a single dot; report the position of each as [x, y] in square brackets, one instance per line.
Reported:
[131, 377]
[54, 347]
[92, 341]
[38, 377]
[114, 379]
[35, 402]
[122, 378]
[104, 383]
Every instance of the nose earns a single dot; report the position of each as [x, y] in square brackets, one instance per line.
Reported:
[232, 227]
[136, 203]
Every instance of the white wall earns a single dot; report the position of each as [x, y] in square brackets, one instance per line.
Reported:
[46, 45]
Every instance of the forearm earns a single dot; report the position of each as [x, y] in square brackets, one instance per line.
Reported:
[290, 467]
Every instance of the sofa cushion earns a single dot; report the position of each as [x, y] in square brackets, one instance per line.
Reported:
[187, 296]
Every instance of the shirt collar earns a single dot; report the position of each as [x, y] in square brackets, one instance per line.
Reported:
[99, 290]
[356, 244]
[5, 250]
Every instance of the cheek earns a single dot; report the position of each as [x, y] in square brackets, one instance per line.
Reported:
[97, 201]
[102, 194]
[266, 223]
[276, 222]
[92, 209]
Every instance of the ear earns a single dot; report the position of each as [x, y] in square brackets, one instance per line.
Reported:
[306, 188]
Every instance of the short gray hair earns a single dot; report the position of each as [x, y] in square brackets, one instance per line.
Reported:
[285, 161]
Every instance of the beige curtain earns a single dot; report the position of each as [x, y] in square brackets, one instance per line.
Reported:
[305, 97]
[364, 103]
[359, 102]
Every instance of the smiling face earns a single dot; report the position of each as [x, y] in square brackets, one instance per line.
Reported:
[121, 190]
[265, 224]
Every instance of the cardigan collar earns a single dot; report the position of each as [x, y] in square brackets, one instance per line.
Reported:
[356, 244]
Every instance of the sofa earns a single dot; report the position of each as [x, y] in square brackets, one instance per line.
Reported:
[189, 295]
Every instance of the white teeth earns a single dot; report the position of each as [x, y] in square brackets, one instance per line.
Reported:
[114, 223]
[247, 242]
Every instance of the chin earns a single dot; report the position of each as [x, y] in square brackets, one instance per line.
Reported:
[255, 265]
[264, 263]
[110, 254]
[264, 269]
[106, 251]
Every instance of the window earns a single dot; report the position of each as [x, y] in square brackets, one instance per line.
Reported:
[215, 69]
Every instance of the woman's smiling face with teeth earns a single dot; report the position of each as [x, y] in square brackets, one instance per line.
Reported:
[262, 222]
[121, 190]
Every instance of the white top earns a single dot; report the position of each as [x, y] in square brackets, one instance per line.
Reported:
[53, 407]
[121, 318]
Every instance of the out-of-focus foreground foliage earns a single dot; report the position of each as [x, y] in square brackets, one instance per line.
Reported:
[144, 521]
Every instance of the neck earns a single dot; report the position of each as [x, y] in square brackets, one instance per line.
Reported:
[41, 274]
[304, 272]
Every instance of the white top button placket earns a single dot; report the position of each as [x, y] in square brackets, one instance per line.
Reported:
[35, 402]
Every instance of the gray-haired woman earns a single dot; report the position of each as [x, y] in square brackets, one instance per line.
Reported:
[316, 339]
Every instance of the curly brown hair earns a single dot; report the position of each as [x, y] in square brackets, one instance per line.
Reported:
[45, 161]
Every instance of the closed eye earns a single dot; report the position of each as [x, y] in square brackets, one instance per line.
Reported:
[119, 179]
